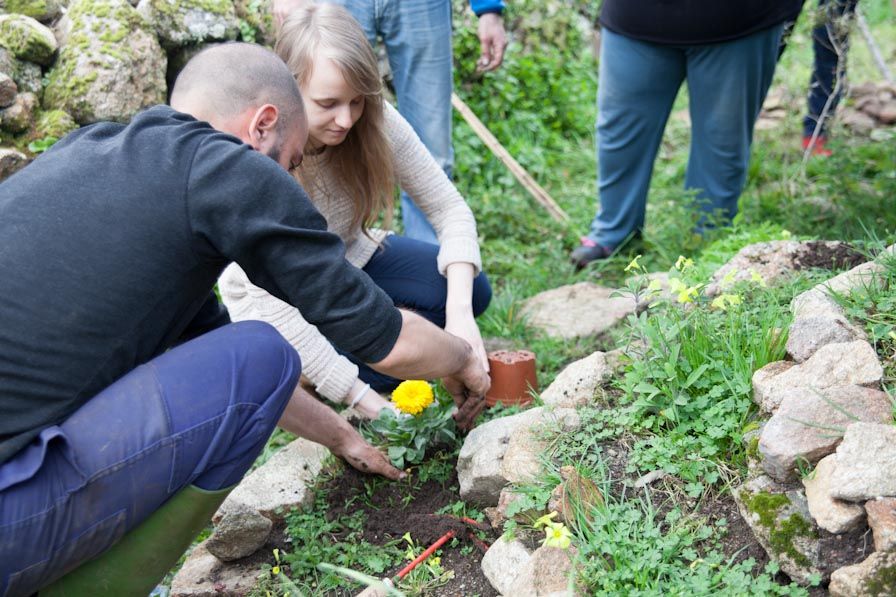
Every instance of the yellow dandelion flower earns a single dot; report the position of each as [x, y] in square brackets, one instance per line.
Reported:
[683, 263]
[633, 264]
[412, 396]
[557, 535]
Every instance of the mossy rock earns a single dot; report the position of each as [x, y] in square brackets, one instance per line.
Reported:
[188, 22]
[19, 117]
[27, 39]
[782, 525]
[42, 10]
[110, 65]
[53, 123]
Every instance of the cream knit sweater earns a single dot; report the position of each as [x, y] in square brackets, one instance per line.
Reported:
[419, 175]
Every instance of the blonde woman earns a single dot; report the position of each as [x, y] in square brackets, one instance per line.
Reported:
[358, 149]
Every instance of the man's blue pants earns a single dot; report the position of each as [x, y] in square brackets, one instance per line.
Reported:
[638, 81]
[197, 415]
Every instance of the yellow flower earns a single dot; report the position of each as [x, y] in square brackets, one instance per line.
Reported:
[683, 263]
[556, 535]
[412, 396]
[545, 520]
[633, 264]
[756, 277]
[723, 301]
[728, 279]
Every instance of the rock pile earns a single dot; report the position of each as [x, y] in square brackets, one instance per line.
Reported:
[65, 63]
[871, 106]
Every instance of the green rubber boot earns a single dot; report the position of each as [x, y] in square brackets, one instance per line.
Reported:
[136, 564]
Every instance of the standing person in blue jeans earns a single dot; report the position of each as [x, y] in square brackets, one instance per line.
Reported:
[830, 45]
[129, 404]
[726, 52]
[417, 36]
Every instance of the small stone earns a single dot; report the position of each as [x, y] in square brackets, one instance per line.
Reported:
[882, 520]
[204, 575]
[887, 113]
[19, 117]
[188, 22]
[578, 383]
[522, 461]
[649, 478]
[8, 90]
[503, 562]
[11, 161]
[866, 460]
[875, 577]
[833, 515]
[240, 532]
[574, 494]
[858, 121]
[764, 388]
[546, 573]
[808, 334]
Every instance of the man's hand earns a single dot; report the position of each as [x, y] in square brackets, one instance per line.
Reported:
[493, 40]
[282, 8]
[468, 389]
[366, 458]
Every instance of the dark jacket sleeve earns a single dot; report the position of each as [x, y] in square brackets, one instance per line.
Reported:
[245, 208]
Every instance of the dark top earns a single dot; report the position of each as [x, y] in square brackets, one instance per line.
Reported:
[113, 240]
[694, 22]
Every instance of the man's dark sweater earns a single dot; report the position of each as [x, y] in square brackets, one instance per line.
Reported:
[113, 240]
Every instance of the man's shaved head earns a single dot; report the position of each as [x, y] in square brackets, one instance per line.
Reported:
[228, 79]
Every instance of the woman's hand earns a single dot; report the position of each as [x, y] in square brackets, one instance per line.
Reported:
[461, 323]
[367, 401]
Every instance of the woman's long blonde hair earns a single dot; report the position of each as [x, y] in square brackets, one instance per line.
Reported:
[364, 160]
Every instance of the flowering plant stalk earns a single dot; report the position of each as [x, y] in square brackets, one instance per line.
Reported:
[424, 421]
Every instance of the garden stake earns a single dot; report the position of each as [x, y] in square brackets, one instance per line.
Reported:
[502, 154]
[429, 551]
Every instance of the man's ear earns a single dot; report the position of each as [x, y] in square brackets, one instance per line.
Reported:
[263, 123]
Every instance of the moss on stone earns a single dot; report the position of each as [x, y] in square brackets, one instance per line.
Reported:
[174, 8]
[26, 38]
[53, 123]
[782, 532]
[31, 8]
[753, 448]
[883, 582]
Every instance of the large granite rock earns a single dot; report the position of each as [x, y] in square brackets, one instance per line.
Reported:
[526, 449]
[805, 427]
[100, 77]
[831, 514]
[577, 310]
[26, 75]
[780, 520]
[188, 22]
[578, 384]
[853, 363]
[27, 39]
[866, 459]
[282, 483]
[875, 577]
[40, 10]
[480, 458]
[882, 520]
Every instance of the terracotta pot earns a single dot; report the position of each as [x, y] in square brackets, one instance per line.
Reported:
[513, 375]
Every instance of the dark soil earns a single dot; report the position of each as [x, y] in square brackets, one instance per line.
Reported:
[397, 508]
[836, 256]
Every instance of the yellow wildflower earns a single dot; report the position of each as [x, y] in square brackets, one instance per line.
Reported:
[728, 279]
[633, 265]
[544, 520]
[723, 301]
[786, 234]
[412, 396]
[756, 277]
[683, 263]
[556, 535]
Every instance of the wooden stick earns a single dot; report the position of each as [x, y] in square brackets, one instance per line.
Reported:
[873, 47]
[502, 154]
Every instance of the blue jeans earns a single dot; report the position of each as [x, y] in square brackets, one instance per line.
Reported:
[830, 43]
[638, 82]
[406, 269]
[417, 36]
[197, 415]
